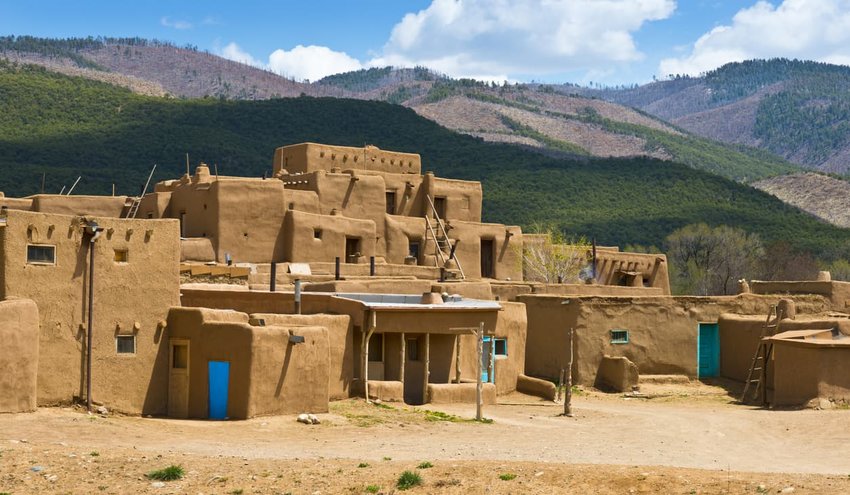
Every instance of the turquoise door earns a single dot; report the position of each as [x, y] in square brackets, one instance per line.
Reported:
[219, 380]
[486, 359]
[708, 345]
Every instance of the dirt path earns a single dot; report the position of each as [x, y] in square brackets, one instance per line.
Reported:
[613, 444]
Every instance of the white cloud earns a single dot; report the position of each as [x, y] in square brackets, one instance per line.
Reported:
[300, 63]
[492, 37]
[804, 29]
[311, 62]
[233, 52]
[167, 22]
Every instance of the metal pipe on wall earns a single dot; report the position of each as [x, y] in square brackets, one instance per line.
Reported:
[93, 232]
[336, 268]
[273, 280]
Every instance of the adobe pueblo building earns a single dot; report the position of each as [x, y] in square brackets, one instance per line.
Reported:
[349, 273]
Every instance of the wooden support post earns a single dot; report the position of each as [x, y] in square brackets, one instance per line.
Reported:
[560, 385]
[480, 338]
[427, 367]
[457, 358]
[568, 392]
[403, 357]
[367, 336]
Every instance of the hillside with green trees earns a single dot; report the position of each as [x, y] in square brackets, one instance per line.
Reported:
[65, 127]
[796, 109]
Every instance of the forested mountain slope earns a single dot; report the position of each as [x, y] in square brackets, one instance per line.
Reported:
[69, 126]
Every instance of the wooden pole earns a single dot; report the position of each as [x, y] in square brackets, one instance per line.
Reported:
[560, 385]
[372, 325]
[403, 358]
[480, 338]
[568, 392]
[427, 368]
[457, 359]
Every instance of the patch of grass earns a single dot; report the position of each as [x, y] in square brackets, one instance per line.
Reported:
[507, 476]
[363, 465]
[408, 479]
[170, 473]
[424, 465]
[238, 491]
[388, 458]
[445, 483]
[373, 489]
[381, 405]
[94, 453]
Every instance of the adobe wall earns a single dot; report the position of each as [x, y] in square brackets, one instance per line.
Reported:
[463, 198]
[16, 203]
[507, 259]
[130, 299]
[302, 244]
[250, 219]
[340, 338]
[662, 330]
[805, 371]
[399, 233]
[18, 355]
[739, 336]
[837, 292]
[96, 206]
[289, 378]
[653, 266]
[309, 157]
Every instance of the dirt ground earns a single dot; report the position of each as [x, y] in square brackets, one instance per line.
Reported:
[688, 439]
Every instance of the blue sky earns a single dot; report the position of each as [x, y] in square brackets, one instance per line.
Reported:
[581, 41]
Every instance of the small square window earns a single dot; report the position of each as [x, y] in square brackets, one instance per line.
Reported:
[317, 233]
[122, 256]
[125, 344]
[413, 249]
[41, 255]
[500, 347]
[619, 336]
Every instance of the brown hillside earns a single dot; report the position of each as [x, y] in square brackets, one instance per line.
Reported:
[822, 196]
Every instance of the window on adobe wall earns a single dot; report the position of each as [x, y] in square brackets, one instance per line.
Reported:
[619, 336]
[317, 233]
[500, 347]
[413, 249]
[391, 202]
[125, 344]
[41, 254]
[122, 256]
[179, 356]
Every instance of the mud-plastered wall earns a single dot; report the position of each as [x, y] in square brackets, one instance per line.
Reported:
[100, 206]
[309, 157]
[309, 237]
[18, 355]
[136, 280]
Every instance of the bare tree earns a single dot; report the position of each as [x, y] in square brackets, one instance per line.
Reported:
[709, 260]
[547, 256]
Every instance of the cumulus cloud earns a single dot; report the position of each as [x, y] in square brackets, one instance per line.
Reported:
[176, 24]
[493, 37]
[300, 63]
[233, 52]
[311, 62]
[804, 29]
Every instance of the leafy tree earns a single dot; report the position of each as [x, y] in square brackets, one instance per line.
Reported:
[709, 260]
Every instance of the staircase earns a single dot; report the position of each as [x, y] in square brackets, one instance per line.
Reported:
[755, 387]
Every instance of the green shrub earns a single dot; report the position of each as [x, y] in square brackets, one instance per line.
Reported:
[425, 465]
[507, 476]
[408, 479]
[170, 473]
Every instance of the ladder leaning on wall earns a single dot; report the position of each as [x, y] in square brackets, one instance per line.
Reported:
[757, 374]
[134, 206]
[440, 236]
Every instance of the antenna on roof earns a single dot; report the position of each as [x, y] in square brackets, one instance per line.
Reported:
[75, 185]
[63, 190]
[43, 177]
[187, 163]
[215, 166]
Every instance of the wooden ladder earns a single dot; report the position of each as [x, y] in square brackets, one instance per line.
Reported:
[758, 367]
[441, 238]
[134, 206]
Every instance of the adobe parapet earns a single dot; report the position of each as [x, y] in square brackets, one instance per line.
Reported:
[310, 157]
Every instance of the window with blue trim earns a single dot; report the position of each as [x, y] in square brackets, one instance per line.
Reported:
[500, 347]
[619, 336]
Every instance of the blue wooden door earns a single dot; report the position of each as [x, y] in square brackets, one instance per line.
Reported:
[708, 344]
[219, 380]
